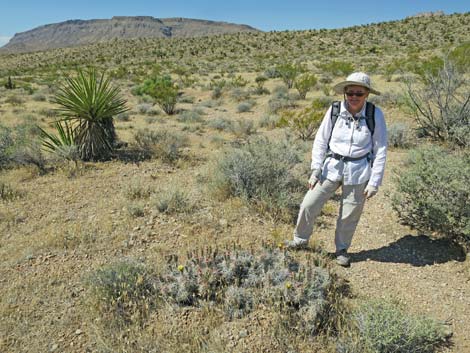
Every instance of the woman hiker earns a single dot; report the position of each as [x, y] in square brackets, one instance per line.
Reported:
[349, 150]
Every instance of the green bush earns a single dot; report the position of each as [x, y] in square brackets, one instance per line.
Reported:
[289, 72]
[163, 90]
[304, 123]
[382, 327]
[305, 83]
[338, 68]
[261, 173]
[432, 192]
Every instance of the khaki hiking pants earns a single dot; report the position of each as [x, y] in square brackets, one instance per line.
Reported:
[352, 204]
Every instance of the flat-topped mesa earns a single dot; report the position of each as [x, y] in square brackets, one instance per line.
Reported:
[77, 32]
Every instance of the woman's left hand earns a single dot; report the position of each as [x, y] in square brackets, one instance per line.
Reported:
[370, 191]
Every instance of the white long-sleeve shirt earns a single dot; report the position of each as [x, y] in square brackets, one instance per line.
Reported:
[351, 139]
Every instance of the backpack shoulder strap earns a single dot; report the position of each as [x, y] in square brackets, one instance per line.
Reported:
[370, 117]
[335, 109]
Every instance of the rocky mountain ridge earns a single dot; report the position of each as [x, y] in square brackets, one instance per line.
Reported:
[73, 33]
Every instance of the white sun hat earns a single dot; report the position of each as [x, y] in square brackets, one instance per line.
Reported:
[355, 79]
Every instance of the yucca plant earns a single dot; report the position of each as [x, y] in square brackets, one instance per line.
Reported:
[62, 144]
[90, 103]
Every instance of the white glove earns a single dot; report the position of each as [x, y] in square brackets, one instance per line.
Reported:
[314, 178]
[370, 191]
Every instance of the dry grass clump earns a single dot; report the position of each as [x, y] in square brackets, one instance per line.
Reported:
[385, 327]
[161, 144]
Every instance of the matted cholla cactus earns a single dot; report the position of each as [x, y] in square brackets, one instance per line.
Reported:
[240, 280]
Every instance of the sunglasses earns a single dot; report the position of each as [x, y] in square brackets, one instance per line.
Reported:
[357, 94]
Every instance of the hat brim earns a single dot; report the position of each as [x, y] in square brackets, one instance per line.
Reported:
[339, 88]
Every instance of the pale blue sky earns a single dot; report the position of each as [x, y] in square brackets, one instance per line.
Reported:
[267, 15]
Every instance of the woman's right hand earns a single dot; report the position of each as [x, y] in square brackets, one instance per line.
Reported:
[314, 178]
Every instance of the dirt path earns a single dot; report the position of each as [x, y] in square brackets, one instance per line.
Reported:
[429, 276]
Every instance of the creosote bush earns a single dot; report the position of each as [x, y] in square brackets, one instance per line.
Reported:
[432, 192]
[261, 173]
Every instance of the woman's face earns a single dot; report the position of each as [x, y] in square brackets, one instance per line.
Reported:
[356, 97]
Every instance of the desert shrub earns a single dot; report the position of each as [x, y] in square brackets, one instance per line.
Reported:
[239, 95]
[19, 147]
[338, 68]
[261, 173]
[303, 123]
[304, 83]
[39, 97]
[163, 90]
[6, 146]
[122, 293]
[385, 99]
[136, 190]
[143, 108]
[14, 100]
[384, 327]
[191, 116]
[160, 144]
[260, 81]
[242, 128]
[7, 193]
[186, 99]
[244, 107]
[9, 84]
[123, 117]
[432, 192]
[441, 105]
[399, 135]
[173, 199]
[460, 56]
[288, 72]
[221, 124]
[269, 121]
[135, 209]
[280, 100]
[271, 73]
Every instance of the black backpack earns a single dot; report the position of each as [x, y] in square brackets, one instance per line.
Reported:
[370, 115]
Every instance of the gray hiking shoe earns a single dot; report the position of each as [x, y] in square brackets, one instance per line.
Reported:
[342, 258]
[293, 245]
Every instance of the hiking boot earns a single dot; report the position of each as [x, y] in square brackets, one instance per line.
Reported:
[295, 245]
[342, 258]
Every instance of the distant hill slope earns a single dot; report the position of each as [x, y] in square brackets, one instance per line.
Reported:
[80, 32]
